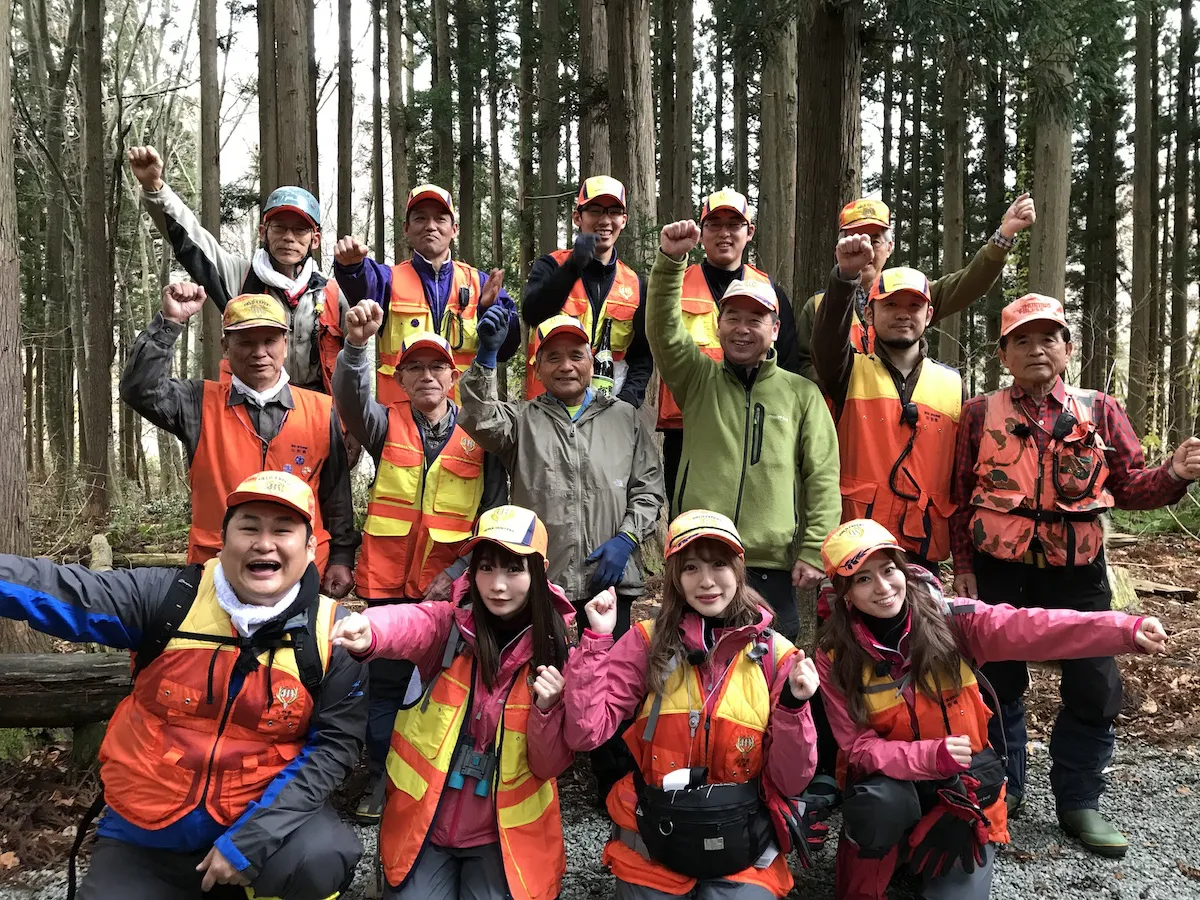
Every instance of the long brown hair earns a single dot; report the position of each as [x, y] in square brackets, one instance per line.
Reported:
[932, 648]
[548, 629]
[666, 644]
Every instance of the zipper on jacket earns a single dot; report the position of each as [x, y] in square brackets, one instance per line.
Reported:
[737, 509]
[756, 442]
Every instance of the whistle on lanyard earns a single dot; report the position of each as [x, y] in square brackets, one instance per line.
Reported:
[471, 763]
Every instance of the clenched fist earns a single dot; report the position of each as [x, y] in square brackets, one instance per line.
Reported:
[548, 687]
[1018, 217]
[352, 632]
[182, 300]
[1151, 637]
[854, 253]
[803, 678]
[1185, 461]
[147, 167]
[363, 320]
[350, 251]
[679, 238]
[602, 612]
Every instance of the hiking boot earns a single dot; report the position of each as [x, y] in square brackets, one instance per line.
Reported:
[1095, 832]
[370, 808]
[1015, 804]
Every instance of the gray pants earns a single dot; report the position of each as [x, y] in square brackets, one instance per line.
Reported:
[712, 889]
[958, 885]
[447, 873]
[315, 862]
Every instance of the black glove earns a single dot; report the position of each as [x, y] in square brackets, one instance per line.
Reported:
[955, 830]
[585, 249]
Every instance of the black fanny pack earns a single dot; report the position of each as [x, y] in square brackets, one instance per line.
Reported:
[987, 767]
[705, 831]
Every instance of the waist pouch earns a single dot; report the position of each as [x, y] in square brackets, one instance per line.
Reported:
[708, 831]
[987, 767]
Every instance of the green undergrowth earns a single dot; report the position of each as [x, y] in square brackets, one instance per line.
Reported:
[1182, 518]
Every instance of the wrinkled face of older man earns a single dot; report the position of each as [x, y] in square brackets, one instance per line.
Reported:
[746, 330]
[564, 366]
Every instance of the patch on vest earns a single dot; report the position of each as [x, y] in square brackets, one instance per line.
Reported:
[744, 745]
[717, 843]
[467, 444]
[625, 291]
[287, 696]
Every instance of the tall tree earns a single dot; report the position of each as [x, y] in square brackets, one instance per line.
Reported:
[497, 199]
[549, 122]
[995, 149]
[777, 170]
[287, 100]
[594, 157]
[954, 113]
[1180, 381]
[397, 123]
[719, 25]
[527, 229]
[377, 128]
[268, 136]
[1051, 98]
[210, 169]
[467, 38]
[664, 90]
[685, 73]
[1141, 295]
[345, 135]
[443, 97]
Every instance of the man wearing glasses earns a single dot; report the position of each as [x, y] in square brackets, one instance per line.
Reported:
[590, 284]
[431, 481]
[282, 267]
[949, 294]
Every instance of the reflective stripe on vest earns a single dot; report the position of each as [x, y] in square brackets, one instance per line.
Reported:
[417, 517]
[167, 740]
[915, 504]
[620, 306]
[230, 451]
[422, 750]
[700, 320]
[1058, 497]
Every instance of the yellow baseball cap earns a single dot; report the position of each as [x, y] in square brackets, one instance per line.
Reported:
[702, 523]
[1030, 308]
[559, 325]
[426, 340]
[430, 192]
[899, 280]
[599, 186]
[849, 545]
[864, 213]
[726, 199]
[253, 311]
[283, 488]
[513, 527]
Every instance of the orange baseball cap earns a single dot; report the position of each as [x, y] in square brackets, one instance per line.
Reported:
[559, 325]
[513, 527]
[900, 280]
[426, 340]
[430, 192]
[253, 311]
[598, 187]
[702, 523]
[1030, 308]
[864, 213]
[283, 488]
[849, 545]
[726, 199]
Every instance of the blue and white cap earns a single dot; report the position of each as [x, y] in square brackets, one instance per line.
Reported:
[290, 198]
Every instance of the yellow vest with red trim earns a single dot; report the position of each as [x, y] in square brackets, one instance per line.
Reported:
[167, 749]
[409, 313]
[230, 451]
[728, 739]
[417, 516]
[872, 437]
[1058, 497]
[422, 751]
[700, 319]
[620, 305]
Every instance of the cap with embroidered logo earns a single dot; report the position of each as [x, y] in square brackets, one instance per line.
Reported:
[556, 325]
[849, 545]
[426, 340]
[864, 213]
[430, 192]
[1031, 308]
[599, 187]
[253, 311]
[513, 527]
[283, 488]
[900, 280]
[702, 523]
[726, 199]
[762, 292]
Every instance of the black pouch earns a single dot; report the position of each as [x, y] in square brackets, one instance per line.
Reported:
[987, 767]
[708, 831]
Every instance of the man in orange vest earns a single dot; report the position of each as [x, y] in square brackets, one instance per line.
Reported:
[1036, 466]
[949, 294]
[896, 410]
[590, 284]
[726, 227]
[431, 482]
[429, 292]
[218, 768]
[256, 422]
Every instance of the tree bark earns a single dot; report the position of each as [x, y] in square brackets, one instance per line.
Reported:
[995, 150]
[718, 179]
[665, 92]
[641, 125]
[210, 170]
[397, 123]
[887, 179]
[594, 156]
[685, 70]
[1141, 294]
[379, 231]
[1051, 172]
[776, 235]
[741, 120]
[549, 124]
[911, 217]
[954, 102]
[268, 137]
[467, 38]
[527, 229]
[496, 197]
[345, 136]
[442, 102]
[293, 100]
[1180, 394]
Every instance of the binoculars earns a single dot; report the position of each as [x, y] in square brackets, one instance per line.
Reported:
[469, 762]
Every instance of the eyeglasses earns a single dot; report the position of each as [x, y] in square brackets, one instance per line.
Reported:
[279, 229]
[723, 226]
[433, 368]
[598, 211]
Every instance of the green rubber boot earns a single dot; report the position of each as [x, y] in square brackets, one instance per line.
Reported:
[1095, 832]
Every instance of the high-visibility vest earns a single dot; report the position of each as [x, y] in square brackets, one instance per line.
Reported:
[1057, 496]
[862, 337]
[409, 312]
[700, 319]
[620, 306]
[422, 751]
[172, 745]
[914, 503]
[230, 451]
[417, 516]
[728, 740]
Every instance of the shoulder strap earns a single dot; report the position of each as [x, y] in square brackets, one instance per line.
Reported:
[308, 654]
[454, 644]
[173, 611]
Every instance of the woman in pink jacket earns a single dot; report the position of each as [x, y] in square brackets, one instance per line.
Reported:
[721, 722]
[472, 805]
[899, 677]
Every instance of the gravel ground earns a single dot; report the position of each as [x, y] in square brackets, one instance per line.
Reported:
[1153, 794]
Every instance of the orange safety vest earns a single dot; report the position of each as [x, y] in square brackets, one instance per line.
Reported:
[914, 503]
[729, 741]
[619, 306]
[1057, 498]
[422, 751]
[417, 516]
[700, 320]
[409, 312]
[177, 742]
[230, 451]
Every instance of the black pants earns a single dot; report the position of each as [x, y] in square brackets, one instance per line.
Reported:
[776, 588]
[1082, 742]
[672, 451]
[314, 862]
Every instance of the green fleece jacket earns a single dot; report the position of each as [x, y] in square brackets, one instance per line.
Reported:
[764, 455]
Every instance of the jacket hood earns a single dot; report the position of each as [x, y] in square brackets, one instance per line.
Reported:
[727, 640]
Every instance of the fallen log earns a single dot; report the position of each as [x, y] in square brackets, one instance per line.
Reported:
[1173, 591]
[140, 560]
[59, 690]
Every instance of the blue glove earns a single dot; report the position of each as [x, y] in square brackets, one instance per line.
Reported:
[492, 329]
[610, 559]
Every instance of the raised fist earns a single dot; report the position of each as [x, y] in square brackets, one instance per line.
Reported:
[350, 251]
[601, 612]
[1018, 217]
[182, 300]
[147, 167]
[584, 249]
[854, 253]
[363, 320]
[679, 238]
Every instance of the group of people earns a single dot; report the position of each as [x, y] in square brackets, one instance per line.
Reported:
[500, 557]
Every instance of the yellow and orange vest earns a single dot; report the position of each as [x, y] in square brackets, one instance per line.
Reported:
[1056, 496]
[872, 437]
[422, 751]
[230, 451]
[417, 517]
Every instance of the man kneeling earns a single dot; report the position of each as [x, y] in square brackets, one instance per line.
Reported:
[218, 767]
